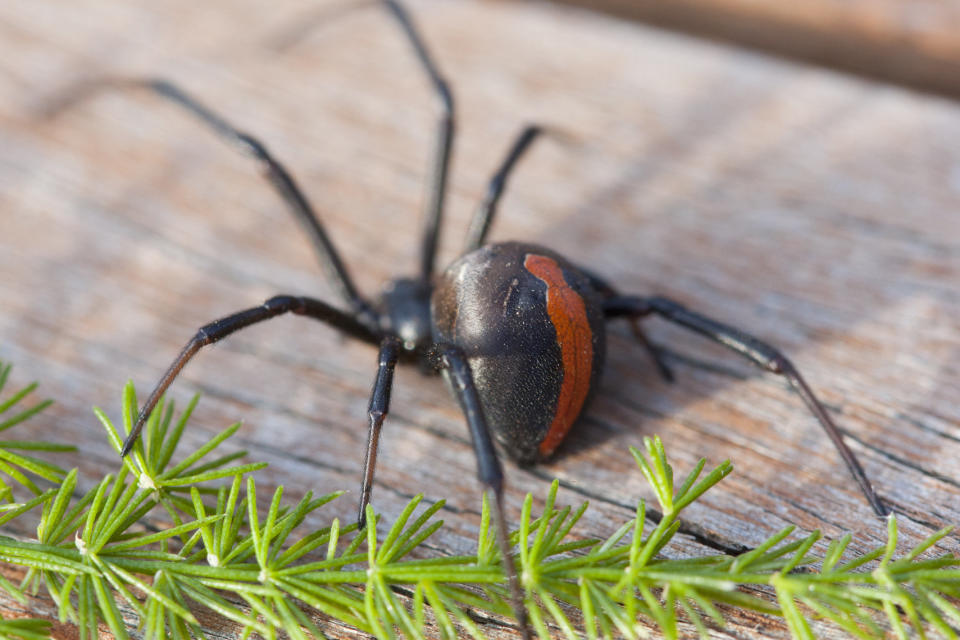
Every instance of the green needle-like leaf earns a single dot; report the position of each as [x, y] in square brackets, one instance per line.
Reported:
[266, 569]
[17, 466]
[25, 629]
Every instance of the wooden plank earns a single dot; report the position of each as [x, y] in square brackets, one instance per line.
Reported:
[816, 210]
[914, 44]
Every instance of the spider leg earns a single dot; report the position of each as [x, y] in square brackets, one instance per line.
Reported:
[273, 170]
[758, 352]
[608, 292]
[445, 131]
[377, 411]
[489, 470]
[652, 350]
[483, 216]
[219, 329]
[483, 219]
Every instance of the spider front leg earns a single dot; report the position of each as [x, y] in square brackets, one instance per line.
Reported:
[758, 352]
[489, 470]
[485, 213]
[377, 411]
[275, 172]
[219, 329]
[446, 125]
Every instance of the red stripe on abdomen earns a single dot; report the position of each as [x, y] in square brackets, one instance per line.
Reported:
[568, 314]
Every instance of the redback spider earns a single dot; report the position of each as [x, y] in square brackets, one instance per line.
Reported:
[517, 330]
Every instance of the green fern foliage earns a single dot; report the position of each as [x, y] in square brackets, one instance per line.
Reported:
[17, 460]
[256, 561]
[25, 629]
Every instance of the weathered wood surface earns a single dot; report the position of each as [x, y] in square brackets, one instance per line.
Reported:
[910, 43]
[817, 210]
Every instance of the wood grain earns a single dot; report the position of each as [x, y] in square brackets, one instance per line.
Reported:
[915, 44]
[816, 210]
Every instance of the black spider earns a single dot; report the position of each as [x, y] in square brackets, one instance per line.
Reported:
[517, 330]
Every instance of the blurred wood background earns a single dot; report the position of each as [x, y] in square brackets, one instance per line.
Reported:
[911, 43]
[816, 209]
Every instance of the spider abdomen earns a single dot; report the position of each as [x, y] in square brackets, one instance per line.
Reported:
[532, 328]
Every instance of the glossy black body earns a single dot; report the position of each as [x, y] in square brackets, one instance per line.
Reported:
[494, 309]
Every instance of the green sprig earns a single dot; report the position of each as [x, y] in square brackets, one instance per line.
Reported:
[259, 563]
[25, 629]
[19, 467]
